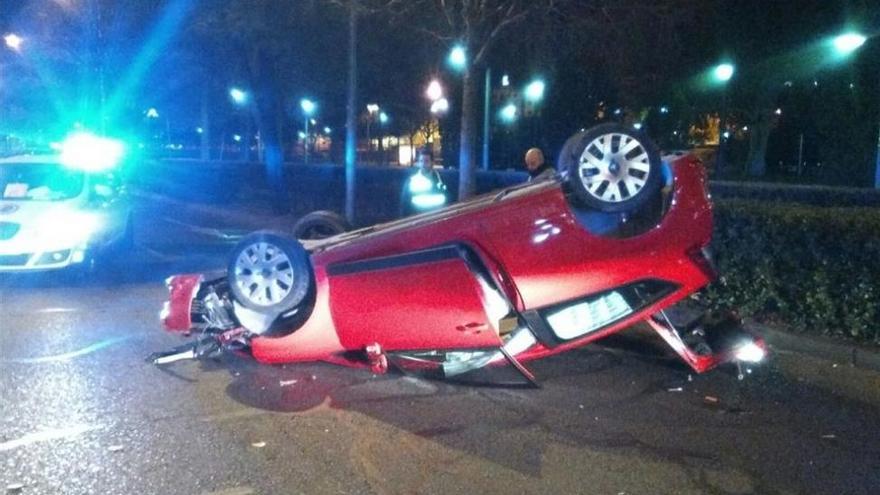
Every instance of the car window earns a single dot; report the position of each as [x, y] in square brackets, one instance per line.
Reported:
[39, 182]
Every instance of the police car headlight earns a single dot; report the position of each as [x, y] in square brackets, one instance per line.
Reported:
[67, 227]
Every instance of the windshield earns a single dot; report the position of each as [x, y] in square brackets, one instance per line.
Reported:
[47, 182]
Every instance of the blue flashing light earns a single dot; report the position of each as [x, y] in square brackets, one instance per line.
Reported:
[90, 153]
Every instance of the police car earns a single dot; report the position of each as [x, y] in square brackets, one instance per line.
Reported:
[63, 210]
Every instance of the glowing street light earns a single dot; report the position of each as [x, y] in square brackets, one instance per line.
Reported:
[535, 90]
[383, 118]
[508, 113]
[723, 72]
[13, 41]
[238, 95]
[308, 106]
[849, 42]
[458, 57]
[440, 106]
[434, 91]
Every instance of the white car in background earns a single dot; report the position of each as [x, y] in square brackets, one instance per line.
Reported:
[56, 212]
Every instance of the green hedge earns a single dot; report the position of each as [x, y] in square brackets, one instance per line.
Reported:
[816, 268]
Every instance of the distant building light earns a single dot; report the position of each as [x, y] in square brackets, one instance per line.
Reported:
[745, 128]
[236, 137]
[815, 84]
[301, 134]
[726, 134]
[383, 118]
[664, 109]
[372, 108]
[327, 130]
[778, 111]
[535, 90]
[505, 80]
[789, 84]
[152, 113]
[199, 130]
[616, 111]
[458, 57]
[637, 125]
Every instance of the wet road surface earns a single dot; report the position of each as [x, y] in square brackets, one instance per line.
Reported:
[81, 412]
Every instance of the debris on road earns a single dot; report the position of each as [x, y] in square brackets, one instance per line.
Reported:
[675, 389]
[258, 445]
[286, 383]
[829, 436]
[710, 399]
[115, 448]
[14, 487]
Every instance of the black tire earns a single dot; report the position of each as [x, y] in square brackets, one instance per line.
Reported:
[320, 224]
[612, 180]
[251, 264]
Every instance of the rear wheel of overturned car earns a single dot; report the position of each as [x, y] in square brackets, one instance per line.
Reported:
[320, 225]
[269, 272]
[612, 167]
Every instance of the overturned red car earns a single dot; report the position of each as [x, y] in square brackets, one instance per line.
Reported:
[617, 237]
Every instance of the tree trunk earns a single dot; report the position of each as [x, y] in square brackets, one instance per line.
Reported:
[757, 160]
[467, 173]
[351, 116]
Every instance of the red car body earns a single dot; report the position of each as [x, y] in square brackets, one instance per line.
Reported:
[420, 284]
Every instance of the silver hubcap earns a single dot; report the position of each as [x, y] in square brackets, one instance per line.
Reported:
[264, 274]
[614, 167]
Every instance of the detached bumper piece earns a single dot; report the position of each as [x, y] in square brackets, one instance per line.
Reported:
[710, 340]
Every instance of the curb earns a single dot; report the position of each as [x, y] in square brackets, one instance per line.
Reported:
[859, 357]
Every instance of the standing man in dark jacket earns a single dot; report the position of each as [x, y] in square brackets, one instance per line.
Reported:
[537, 168]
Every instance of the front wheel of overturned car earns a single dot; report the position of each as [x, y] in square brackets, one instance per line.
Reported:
[269, 273]
[612, 167]
[320, 224]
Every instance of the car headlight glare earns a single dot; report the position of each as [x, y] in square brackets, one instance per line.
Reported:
[750, 353]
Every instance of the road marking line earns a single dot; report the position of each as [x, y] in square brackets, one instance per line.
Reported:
[241, 490]
[69, 355]
[46, 435]
[58, 310]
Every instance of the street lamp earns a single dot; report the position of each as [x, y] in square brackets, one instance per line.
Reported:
[440, 106]
[434, 91]
[723, 72]
[458, 58]
[238, 95]
[13, 41]
[508, 113]
[308, 108]
[535, 91]
[848, 42]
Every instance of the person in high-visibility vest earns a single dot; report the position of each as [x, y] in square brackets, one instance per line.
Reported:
[424, 190]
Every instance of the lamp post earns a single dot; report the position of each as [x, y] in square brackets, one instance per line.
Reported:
[844, 45]
[308, 108]
[372, 111]
[241, 98]
[722, 74]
